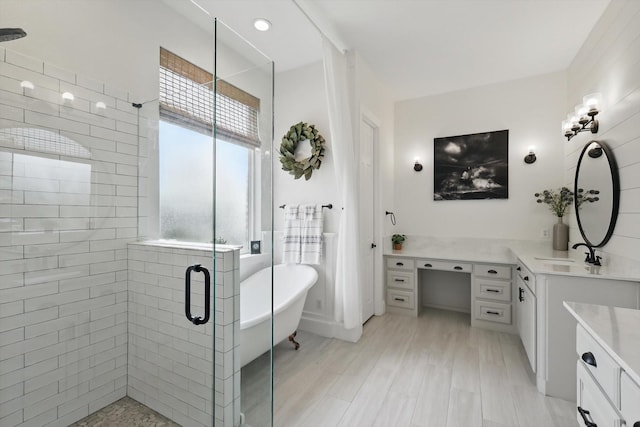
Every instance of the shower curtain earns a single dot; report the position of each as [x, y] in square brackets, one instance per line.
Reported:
[347, 283]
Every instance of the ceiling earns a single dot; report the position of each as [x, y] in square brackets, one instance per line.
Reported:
[417, 47]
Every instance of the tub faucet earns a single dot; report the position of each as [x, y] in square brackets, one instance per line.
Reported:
[591, 255]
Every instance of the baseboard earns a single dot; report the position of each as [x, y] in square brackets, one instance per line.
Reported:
[329, 329]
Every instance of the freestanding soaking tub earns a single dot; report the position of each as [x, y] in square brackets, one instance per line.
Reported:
[291, 282]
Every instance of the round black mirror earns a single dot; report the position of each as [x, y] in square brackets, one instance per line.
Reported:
[597, 193]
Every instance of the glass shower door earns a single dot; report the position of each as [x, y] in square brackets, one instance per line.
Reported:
[244, 217]
[205, 180]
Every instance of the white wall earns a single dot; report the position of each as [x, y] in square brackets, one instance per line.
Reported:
[531, 109]
[609, 62]
[300, 96]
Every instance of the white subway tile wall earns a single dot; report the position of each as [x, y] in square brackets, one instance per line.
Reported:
[68, 208]
[171, 361]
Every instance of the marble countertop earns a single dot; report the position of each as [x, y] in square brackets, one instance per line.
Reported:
[615, 329]
[538, 256]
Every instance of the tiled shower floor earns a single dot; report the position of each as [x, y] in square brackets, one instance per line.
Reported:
[125, 412]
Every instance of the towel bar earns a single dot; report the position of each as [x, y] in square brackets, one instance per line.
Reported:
[329, 206]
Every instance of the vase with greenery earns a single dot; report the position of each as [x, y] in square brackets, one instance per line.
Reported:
[397, 240]
[558, 202]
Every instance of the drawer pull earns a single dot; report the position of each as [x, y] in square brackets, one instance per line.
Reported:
[521, 294]
[589, 359]
[518, 269]
[398, 280]
[399, 264]
[495, 313]
[492, 272]
[497, 291]
[428, 265]
[399, 299]
[586, 417]
[457, 267]
[525, 278]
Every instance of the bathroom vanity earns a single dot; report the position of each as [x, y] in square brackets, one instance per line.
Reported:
[608, 353]
[514, 287]
[489, 286]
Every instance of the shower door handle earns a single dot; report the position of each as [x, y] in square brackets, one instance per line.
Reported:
[207, 294]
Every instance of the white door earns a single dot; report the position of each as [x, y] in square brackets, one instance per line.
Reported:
[367, 211]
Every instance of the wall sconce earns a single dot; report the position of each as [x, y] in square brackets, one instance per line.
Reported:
[417, 166]
[531, 157]
[582, 119]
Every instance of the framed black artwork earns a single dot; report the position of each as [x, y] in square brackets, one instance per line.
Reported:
[472, 166]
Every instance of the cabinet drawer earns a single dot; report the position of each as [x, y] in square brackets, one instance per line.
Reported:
[493, 289]
[603, 368]
[629, 400]
[527, 276]
[402, 299]
[493, 311]
[400, 279]
[593, 405]
[444, 265]
[493, 271]
[400, 263]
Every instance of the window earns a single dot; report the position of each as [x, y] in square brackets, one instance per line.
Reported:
[186, 155]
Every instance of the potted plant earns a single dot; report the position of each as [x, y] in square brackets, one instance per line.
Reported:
[558, 201]
[397, 240]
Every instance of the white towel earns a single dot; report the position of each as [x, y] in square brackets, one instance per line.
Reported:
[311, 234]
[292, 235]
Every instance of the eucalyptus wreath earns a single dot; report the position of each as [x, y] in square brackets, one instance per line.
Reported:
[298, 133]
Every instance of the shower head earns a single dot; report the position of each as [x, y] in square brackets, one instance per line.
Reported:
[8, 34]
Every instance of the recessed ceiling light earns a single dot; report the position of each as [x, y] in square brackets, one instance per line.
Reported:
[261, 24]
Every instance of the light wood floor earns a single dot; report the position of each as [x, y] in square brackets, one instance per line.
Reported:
[434, 370]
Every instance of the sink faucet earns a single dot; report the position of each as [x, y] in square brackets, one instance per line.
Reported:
[591, 255]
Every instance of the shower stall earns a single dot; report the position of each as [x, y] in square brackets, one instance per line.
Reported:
[128, 219]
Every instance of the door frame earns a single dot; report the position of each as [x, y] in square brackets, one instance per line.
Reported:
[367, 117]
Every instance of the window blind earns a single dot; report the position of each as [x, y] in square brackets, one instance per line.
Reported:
[186, 99]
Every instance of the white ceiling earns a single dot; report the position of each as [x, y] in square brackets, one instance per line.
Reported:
[418, 47]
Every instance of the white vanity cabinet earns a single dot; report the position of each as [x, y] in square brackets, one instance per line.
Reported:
[630, 400]
[592, 405]
[608, 350]
[556, 331]
[485, 290]
[401, 286]
[492, 297]
[526, 315]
